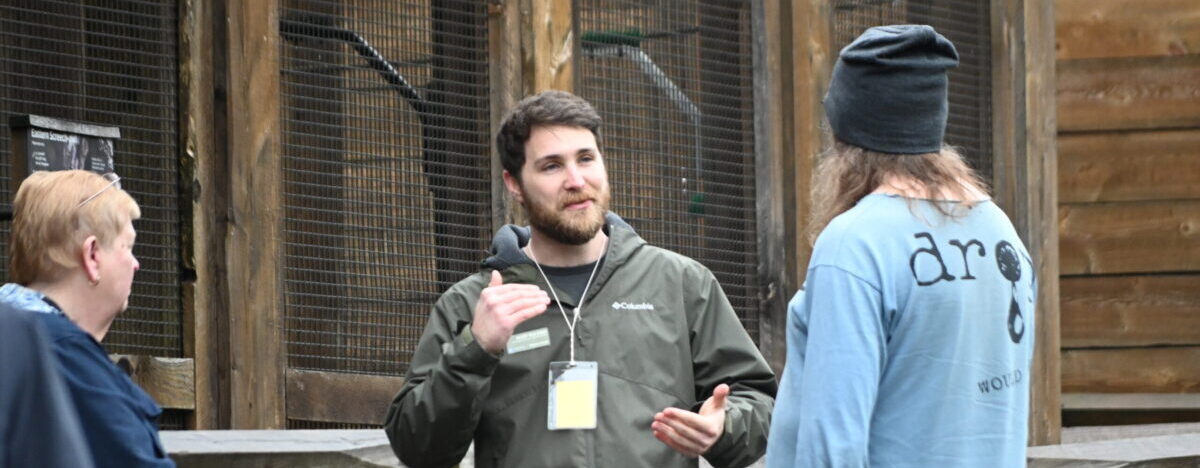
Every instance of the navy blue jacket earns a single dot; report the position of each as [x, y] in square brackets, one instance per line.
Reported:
[118, 419]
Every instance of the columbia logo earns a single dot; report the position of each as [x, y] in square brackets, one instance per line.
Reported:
[628, 306]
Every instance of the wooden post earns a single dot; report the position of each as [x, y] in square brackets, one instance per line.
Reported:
[794, 71]
[253, 240]
[547, 45]
[504, 53]
[773, 162]
[547, 40]
[797, 70]
[813, 58]
[812, 64]
[1025, 179]
[203, 192]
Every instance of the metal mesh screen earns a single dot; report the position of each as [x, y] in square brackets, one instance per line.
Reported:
[967, 23]
[673, 81]
[112, 64]
[386, 172]
[173, 420]
[299, 424]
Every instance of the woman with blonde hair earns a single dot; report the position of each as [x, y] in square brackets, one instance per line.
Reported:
[72, 266]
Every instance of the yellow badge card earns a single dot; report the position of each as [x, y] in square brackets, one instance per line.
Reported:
[572, 395]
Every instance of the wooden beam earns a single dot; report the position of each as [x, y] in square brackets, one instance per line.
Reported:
[171, 382]
[1134, 237]
[1025, 179]
[1129, 418]
[799, 81]
[547, 45]
[771, 160]
[253, 249]
[1128, 311]
[1131, 401]
[505, 75]
[339, 398]
[1126, 28]
[204, 201]
[812, 59]
[1132, 370]
[1129, 166]
[1129, 93]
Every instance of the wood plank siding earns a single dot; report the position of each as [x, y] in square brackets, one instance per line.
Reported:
[1128, 94]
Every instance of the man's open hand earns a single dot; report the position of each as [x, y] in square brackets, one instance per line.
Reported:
[501, 307]
[692, 434]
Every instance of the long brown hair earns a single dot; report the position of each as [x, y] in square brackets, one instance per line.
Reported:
[847, 173]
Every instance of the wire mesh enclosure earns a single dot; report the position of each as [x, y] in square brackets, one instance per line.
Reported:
[110, 64]
[673, 81]
[967, 23]
[386, 173]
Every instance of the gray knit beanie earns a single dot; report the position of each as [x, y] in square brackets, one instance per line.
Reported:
[888, 91]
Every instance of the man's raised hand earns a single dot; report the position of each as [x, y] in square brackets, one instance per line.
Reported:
[501, 307]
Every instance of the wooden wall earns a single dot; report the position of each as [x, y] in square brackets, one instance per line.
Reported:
[233, 310]
[241, 139]
[1128, 94]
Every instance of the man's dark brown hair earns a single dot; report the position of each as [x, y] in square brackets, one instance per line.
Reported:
[543, 109]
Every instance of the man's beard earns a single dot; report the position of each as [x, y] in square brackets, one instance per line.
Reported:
[569, 227]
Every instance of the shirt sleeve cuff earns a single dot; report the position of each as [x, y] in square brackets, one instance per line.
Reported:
[471, 354]
[723, 449]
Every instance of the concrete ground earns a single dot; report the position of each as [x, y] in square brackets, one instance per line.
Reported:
[1154, 445]
[366, 448]
[1159, 445]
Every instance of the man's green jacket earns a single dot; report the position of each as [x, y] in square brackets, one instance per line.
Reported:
[658, 325]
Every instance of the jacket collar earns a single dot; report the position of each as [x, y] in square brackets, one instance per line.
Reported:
[515, 266]
[24, 298]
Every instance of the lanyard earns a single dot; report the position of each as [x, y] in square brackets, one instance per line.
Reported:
[570, 322]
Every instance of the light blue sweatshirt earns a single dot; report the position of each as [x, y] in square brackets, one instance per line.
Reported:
[910, 343]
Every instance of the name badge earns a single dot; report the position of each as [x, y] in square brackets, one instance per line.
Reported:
[532, 339]
[572, 396]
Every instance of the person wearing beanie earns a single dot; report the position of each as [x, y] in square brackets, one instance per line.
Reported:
[911, 340]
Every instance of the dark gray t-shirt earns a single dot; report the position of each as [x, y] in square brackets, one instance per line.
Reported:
[571, 280]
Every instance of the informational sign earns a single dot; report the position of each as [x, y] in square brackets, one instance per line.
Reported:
[54, 151]
[48, 144]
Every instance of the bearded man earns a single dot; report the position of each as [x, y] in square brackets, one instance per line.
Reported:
[910, 343]
[577, 344]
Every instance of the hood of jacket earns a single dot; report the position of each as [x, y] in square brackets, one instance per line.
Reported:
[508, 258]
